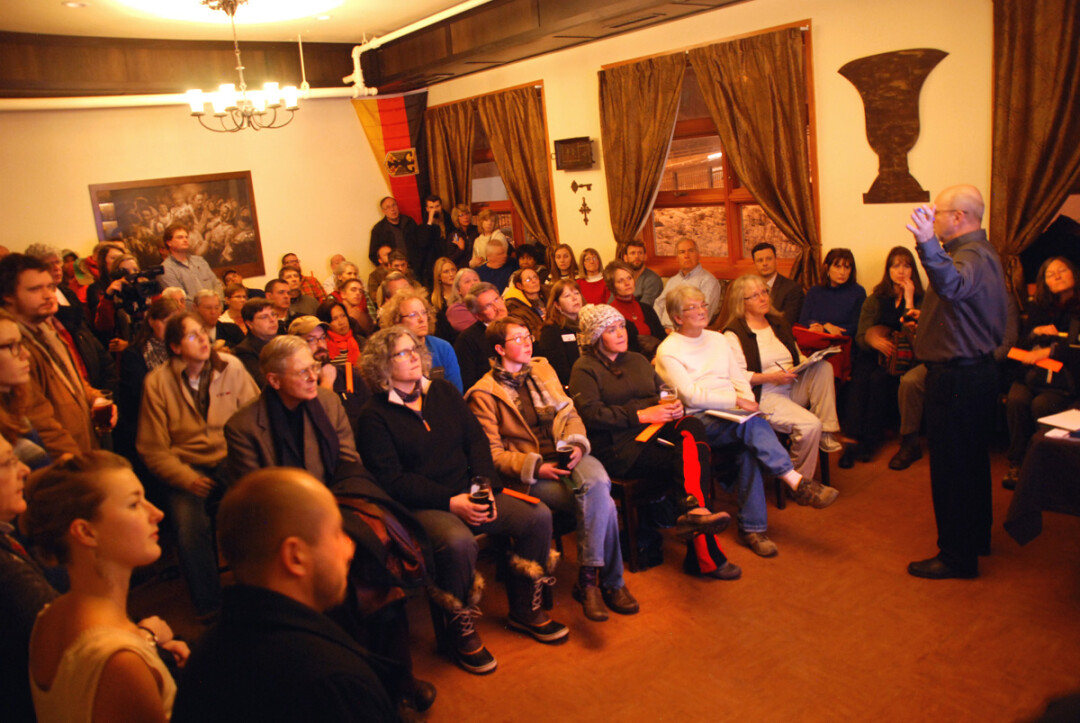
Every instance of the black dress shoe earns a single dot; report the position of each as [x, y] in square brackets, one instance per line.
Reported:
[847, 459]
[906, 456]
[936, 569]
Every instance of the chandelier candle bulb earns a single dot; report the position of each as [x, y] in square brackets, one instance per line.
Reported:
[195, 100]
[273, 94]
[292, 97]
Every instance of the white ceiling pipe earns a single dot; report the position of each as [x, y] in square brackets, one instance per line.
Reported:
[130, 101]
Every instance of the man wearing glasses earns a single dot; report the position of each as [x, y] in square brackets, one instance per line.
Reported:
[472, 347]
[961, 323]
[691, 273]
[343, 380]
[262, 324]
[295, 422]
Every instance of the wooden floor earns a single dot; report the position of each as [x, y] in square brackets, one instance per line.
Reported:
[833, 629]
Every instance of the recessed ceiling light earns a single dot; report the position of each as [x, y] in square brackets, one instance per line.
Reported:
[322, 17]
[73, 5]
[264, 11]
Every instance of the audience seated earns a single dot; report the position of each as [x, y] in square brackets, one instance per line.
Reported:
[24, 590]
[884, 343]
[617, 394]
[802, 404]
[425, 448]
[273, 655]
[525, 299]
[382, 268]
[497, 266]
[487, 223]
[647, 283]
[294, 422]
[235, 298]
[532, 256]
[619, 281]
[701, 367]
[785, 295]
[410, 308]
[277, 293]
[692, 273]
[1050, 333]
[103, 255]
[28, 292]
[457, 314]
[262, 323]
[330, 283]
[557, 341]
[88, 660]
[529, 422]
[232, 276]
[833, 306]
[591, 281]
[223, 335]
[300, 304]
[309, 285]
[562, 264]
[343, 377]
[343, 334]
[26, 416]
[185, 405]
[394, 280]
[442, 291]
[356, 305]
[473, 350]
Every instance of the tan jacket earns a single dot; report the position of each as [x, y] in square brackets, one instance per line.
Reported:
[172, 434]
[72, 412]
[514, 447]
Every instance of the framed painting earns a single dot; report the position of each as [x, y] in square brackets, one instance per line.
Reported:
[217, 209]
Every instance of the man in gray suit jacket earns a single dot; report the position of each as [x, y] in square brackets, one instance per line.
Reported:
[294, 422]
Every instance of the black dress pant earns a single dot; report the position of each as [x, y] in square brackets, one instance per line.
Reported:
[960, 406]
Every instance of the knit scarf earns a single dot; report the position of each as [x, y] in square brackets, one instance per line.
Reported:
[336, 343]
[545, 406]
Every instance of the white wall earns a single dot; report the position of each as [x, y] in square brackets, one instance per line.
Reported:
[954, 146]
[316, 181]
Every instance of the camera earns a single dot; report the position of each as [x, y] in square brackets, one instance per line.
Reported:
[137, 290]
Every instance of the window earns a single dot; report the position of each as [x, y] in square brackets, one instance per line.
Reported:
[489, 191]
[700, 197]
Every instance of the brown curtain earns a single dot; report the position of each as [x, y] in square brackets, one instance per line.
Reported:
[514, 123]
[1036, 145]
[755, 89]
[449, 130]
[638, 106]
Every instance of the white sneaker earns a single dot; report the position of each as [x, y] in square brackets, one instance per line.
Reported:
[829, 443]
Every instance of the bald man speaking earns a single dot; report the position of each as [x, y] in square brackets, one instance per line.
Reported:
[962, 322]
[273, 655]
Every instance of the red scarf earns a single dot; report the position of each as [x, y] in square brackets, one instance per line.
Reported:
[336, 342]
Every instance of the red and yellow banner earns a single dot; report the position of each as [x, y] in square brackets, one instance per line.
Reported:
[394, 125]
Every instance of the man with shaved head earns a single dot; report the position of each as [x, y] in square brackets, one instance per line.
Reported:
[273, 655]
[962, 322]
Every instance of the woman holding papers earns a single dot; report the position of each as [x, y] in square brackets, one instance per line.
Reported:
[1050, 335]
[701, 365]
[832, 307]
[802, 405]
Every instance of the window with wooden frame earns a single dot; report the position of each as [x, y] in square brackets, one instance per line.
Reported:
[488, 190]
[701, 198]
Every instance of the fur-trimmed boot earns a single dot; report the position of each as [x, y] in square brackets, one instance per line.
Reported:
[524, 588]
[455, 628]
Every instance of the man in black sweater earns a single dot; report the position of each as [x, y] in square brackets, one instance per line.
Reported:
[274, 655]
[395, 230]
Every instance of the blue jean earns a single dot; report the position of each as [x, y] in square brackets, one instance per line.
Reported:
[195, 549]
[455, 546]
[587, 495]
[758, 444]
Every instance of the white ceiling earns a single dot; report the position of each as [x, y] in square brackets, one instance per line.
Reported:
[348, 22]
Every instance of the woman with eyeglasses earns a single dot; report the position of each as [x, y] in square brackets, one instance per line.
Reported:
[26, 416]
[427, 450]
[802, 404]
[647, 328]
[525, 299]
[181, 438]
[591, 281]
[635, 432]
[1051, 333]
[539, 445]
[410, 309]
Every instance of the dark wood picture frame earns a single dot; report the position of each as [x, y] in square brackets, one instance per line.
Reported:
[218, 209]
[573, 154]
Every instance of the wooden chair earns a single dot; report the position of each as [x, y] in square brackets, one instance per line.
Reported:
[629, 495]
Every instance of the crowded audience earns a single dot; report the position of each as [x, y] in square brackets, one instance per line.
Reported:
[478, 385]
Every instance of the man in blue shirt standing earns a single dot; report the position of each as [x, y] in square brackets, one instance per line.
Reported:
[962, 322]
